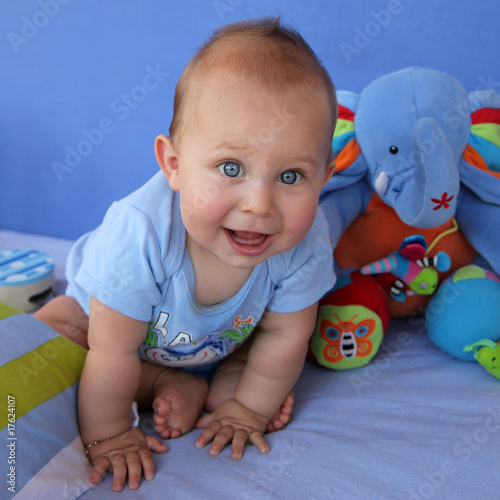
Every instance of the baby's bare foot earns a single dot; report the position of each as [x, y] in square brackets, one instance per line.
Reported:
[283, 416]
[179, 398]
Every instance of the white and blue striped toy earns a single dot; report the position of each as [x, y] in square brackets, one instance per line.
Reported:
[26, 278]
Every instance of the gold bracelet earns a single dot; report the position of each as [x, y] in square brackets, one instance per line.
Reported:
[93, 443]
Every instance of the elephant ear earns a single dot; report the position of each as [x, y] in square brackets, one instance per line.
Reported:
[480, 168]
[350, 164]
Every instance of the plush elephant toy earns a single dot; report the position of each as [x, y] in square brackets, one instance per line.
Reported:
[417, 184]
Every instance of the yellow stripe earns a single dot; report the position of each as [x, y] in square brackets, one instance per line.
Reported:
[343, 126]
[6, 310]
[488, 131]
[39, 375]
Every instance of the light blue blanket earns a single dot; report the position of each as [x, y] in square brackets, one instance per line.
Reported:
[414, 424]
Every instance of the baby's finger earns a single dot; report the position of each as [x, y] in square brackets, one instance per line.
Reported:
[239, 440]
[224, 436]
[134, 467]
[258, 440]
[148, 464]
[119, 464]
[208, 434]
[101, 466]
[154, 444]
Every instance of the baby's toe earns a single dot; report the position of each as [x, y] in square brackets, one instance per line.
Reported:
[161, 406]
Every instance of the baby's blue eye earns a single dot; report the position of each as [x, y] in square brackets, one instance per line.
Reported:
[231, 169]
[290, 177]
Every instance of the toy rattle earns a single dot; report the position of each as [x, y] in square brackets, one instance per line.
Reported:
[26, 278]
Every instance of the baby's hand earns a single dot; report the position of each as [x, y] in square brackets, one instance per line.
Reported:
[130, 453]
[232, 422]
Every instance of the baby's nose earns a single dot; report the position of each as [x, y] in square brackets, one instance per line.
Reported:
[259, 200]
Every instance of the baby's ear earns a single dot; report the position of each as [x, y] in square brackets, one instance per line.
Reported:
[166, 156]
[328, 172]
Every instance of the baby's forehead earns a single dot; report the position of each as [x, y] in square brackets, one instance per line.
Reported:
[245, 107]
[235, 98]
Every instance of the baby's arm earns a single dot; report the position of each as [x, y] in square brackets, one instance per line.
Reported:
[275, 361]
[109, 382]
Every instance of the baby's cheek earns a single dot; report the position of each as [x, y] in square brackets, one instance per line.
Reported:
[304, 218]
[300, 225]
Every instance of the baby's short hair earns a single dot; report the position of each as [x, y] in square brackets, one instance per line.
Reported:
[262, 49]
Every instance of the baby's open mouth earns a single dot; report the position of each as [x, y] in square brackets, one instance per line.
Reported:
[248, 242]
[248, 238]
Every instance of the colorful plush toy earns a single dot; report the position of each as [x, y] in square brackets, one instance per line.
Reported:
[465, 310]
[352, 320]
[418, 169]
[487, 354]
[410, 266]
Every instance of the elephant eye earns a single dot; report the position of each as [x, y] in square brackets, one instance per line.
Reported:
[393, 150]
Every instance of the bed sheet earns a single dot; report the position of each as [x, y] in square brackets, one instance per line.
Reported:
[413, 424]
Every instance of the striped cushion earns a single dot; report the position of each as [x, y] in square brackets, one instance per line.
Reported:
[39, 373]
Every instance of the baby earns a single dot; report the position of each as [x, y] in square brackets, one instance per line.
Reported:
[213, 266]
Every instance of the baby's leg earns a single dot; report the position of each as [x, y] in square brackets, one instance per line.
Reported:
[65, 315]
[177, 398]
[225, 380]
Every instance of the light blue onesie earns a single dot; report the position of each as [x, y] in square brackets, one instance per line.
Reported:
[136, 263]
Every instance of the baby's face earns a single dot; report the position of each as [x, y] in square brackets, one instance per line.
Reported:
[250, 169]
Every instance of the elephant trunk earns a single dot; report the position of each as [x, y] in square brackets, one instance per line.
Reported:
[425, 194]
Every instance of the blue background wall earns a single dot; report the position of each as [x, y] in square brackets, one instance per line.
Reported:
[86, 85]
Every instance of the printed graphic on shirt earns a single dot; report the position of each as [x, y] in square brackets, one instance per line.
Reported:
[178, 348]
